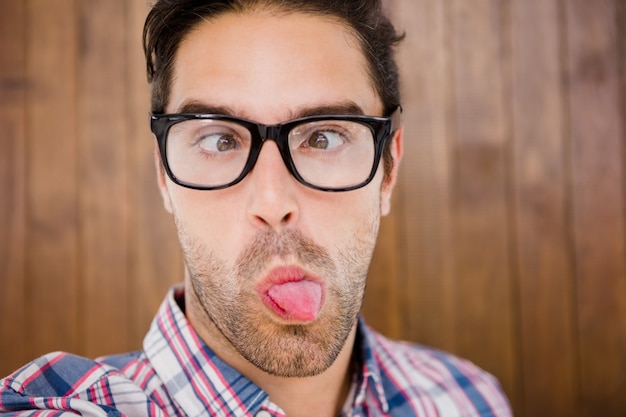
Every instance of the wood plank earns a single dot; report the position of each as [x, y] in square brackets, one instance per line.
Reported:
[53, 252]
[12, 188]
[597, 165]
[157, 262]
[381, 307]
[546, 287]
[486, 320]
[103, 179]
[428, 284]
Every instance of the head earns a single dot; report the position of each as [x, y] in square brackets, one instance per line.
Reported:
[170, 21]
[275, 269]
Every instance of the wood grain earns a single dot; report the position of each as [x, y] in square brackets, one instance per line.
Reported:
[544, 257]
[13, 86]
[485, 320]
[52, 182]
[597, 167]
[104, 195]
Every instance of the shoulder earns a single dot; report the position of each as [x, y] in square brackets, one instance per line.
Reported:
[418, 373]
[57, 373]
[437, 364]
[66, 382]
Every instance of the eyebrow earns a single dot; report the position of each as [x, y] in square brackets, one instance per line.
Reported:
[343, 108]
[340, 108]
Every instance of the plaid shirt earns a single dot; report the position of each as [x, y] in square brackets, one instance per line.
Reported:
[178, 375]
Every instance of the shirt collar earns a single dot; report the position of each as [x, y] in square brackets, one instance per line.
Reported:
[199, 381]
[370, 377]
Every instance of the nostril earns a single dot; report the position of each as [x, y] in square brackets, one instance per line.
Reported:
[278, 222]
[262, 221]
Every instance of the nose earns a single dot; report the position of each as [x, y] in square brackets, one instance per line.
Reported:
[273, 203]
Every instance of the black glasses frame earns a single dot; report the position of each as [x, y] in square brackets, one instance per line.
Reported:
[382, 129]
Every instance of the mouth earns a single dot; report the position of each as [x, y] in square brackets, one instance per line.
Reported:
[292, 294]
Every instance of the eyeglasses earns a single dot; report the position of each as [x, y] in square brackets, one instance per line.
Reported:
[328, 153]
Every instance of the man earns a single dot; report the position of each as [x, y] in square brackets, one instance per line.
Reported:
[271, 118]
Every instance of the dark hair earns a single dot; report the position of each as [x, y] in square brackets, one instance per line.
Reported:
[170, 21]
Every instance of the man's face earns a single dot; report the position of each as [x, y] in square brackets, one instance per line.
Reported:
[275, 270]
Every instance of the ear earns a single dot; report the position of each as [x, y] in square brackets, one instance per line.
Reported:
[162, 180]
[396, 148]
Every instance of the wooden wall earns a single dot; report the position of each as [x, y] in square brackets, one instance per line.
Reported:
[507, 240]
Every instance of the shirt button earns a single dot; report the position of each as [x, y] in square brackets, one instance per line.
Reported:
[263, 413]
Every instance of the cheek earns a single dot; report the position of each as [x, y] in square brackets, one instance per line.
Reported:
[206, 219]
[354, 221]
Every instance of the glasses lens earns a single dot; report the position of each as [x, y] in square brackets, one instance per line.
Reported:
[207, 152]
[332, 153]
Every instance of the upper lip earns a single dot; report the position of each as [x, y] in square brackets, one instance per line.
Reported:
[283, 274]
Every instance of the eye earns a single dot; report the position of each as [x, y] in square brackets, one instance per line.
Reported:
[218, 142]
[325, 139]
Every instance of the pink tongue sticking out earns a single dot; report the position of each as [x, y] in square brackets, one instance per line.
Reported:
[300, 300]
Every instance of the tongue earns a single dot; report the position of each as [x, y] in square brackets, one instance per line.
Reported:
[299, 300]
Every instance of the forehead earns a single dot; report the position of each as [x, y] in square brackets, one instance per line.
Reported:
[269, 65]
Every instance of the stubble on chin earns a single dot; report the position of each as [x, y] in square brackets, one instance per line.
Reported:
[226, 299]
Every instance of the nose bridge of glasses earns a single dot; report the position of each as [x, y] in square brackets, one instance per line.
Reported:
[273, 133]
[269, 132]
